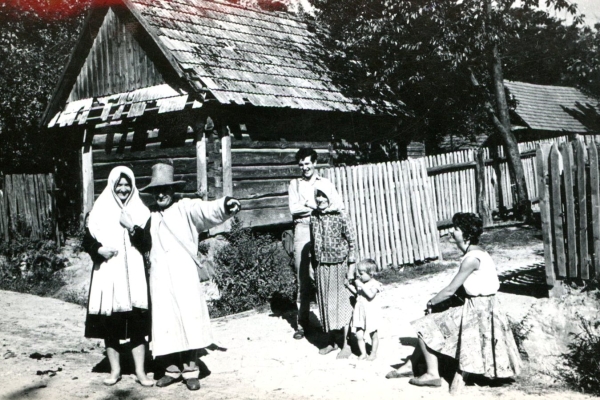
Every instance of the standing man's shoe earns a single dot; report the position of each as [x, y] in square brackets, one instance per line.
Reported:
[166, 381]
[192, 383]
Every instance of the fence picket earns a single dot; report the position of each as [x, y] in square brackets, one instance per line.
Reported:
[556, 211]
[542, 154]
[595, 204]
[584, 260]
[566, 152]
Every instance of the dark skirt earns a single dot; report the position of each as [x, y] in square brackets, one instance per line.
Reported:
[119, 325]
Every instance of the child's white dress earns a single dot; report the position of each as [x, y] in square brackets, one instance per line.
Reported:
[367, 313]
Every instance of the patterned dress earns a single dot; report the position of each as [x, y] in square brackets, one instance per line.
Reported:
[333, 239]
[477, 334]
[367, 313]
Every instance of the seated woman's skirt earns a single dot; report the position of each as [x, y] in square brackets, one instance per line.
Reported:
[477, 335]
[119, 325]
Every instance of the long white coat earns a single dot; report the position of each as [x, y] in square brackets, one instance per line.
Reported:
[180, 319]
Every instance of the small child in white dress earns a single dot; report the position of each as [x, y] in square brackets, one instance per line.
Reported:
[367, 311]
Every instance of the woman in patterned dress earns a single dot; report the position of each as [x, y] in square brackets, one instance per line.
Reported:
[334, 243]
[477, 334]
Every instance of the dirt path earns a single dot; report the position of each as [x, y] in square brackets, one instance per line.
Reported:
[255, 357]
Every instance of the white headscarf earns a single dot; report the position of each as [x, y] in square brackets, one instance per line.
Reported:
[336, 204]
[118, 283]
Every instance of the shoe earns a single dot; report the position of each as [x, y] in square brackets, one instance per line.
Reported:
[111, 381]
[166, 381]
[299, 334]
[426, 382]
[192, 383]
[146, 383]
[395, 374]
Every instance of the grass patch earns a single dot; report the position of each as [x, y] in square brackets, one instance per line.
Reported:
[411, 272]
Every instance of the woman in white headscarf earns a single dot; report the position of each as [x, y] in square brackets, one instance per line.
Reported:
[118, 298]
[334, 243]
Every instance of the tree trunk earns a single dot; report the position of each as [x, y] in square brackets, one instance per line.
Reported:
[522, 208]
[501, 120]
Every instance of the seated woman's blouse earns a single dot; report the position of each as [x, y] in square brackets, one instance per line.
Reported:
[483, 281]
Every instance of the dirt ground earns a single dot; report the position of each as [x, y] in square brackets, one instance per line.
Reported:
[43, 354]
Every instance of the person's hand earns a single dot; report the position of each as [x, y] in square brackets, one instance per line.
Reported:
[126, 221]
[107, 252]
[233, 206]
[358, 283]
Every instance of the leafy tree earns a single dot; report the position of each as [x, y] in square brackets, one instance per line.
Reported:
[35, 42]
[442, 58]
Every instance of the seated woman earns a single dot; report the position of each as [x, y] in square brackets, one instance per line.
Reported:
[477, 334]
[118, 298]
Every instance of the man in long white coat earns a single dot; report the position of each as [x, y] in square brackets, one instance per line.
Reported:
[180, 319]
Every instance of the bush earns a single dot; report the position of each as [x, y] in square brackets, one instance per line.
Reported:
[29, 266]
[583, 372]
[251, 270]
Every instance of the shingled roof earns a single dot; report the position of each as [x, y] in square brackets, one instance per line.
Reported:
[240, 56]
[551, 108]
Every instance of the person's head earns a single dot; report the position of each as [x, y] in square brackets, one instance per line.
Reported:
[162, 185]
[322, 200]
[306, 158]
[468, 227]
[122, 187]
[365, 269]
[163, 195]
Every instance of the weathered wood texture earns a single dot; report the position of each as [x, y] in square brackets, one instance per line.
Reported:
[260, 170]
[26, 205]
[570, 206]
[115, 64]
[391, 206]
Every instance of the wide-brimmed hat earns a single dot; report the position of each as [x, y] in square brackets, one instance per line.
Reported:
[162, 175]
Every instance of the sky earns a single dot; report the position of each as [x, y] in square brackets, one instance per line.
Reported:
[591, 9]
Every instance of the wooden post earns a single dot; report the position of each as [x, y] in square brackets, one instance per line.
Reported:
[542, 155]
[595, 194]
[482, 205]
[556, 210]
[569, 166]
[201, 164]
[584, 259]
[227, 175]
[87, 176]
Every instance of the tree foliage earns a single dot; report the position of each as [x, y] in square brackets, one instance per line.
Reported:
[35, 42]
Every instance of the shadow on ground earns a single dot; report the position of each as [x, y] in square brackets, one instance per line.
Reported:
[528, 281]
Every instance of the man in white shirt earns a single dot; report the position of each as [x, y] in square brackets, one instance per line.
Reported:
[302, 202]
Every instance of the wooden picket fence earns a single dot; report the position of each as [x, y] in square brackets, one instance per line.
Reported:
[391, 205]
[26, 205]
[400, 209]
[568, 178]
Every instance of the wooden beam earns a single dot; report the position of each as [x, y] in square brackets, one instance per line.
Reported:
[201, 164]
[87, 178]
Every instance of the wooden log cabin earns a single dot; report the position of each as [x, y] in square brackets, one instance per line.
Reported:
[228, 93]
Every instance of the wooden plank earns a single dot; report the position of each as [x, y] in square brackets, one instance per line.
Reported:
[381, 218]
[402, 233]
[542, 156]
[365, 220]
[87, 180]
[584, 258]
[571, 247]
[226, 158]
[430, 211]
[265, 144]
[392, 213]
[373, 213]
[184, 151]
[355, 210]
[265, 217]
[419, 213]
[262, 157]
[556, 211]
[404, 197]
[413, 216]
[265, 202]
[187, 165]
[595, 204]
[201, 165]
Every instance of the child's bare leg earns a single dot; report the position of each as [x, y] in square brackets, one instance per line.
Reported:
[346, 351]
[374, 346]
[360, 338]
